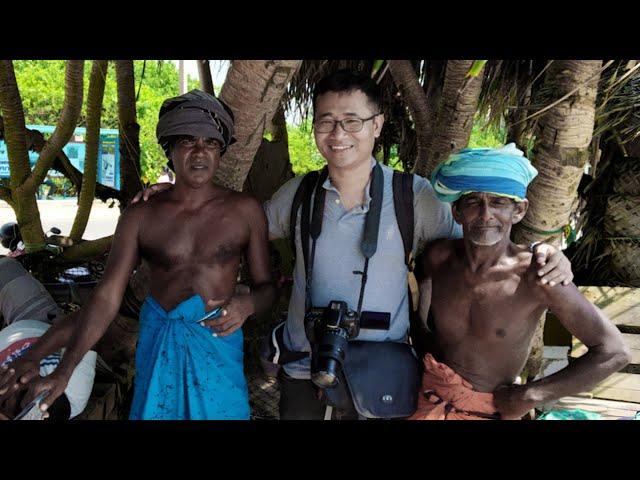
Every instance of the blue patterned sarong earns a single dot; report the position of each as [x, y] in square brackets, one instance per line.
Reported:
[183, 372]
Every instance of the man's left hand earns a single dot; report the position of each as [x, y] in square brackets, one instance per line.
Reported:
[234, 313]
[555, 267]
[511, 402]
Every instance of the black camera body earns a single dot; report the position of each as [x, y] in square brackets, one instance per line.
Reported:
[329, 331]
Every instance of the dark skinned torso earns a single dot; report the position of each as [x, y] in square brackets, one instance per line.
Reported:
[196, 249]
[484, 321]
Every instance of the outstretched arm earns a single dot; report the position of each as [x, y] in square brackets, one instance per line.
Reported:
[607, 354]
[27, 367]
[101, 308]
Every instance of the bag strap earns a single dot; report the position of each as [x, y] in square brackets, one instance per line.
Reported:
[306, 185]
[403, 205]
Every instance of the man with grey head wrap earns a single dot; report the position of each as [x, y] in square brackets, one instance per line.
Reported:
[188, 360]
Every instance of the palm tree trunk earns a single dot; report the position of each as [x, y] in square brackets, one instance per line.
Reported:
[561, 151]
[130, 182]
[271, 167]
[456, 111]
[560, 155]
[253, 89]
[23, 200]
[35, 143]
[204, 71]
[72, 105]
[95, 96]
[415, 98]
[23, 181]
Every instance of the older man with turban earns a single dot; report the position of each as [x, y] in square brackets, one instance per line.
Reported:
[189, 358]
[486, 303]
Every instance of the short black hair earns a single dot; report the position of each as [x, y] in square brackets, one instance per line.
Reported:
[347, 81]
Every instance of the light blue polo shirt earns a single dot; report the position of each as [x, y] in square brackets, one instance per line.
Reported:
[338, 254]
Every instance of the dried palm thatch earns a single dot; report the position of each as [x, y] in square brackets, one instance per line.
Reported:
[509, 93]
[610, 222]
[618, 104]
[626, 179]
[300, 90]
[622, 216]
[625, 260]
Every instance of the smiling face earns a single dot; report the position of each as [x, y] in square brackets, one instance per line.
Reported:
[195, 159]
[487, 219]
[347, 149]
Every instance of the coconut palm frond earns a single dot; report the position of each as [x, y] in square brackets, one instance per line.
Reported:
[300, 90]
[618, 103]
[506, 88]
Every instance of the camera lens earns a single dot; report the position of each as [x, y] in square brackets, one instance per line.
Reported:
[329, 357]
[324, 379]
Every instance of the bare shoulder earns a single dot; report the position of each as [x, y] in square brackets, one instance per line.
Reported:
[247, 205]
[245, 202]
[136, 212]
[437, 252]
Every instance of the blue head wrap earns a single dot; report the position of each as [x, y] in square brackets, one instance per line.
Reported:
[503, 171]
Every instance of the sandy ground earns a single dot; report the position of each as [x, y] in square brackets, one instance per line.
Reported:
[60, 213]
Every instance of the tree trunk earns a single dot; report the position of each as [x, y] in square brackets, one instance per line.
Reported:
[560, 155]
[434, 72]
[87, 249]
[95, 96]
[517, 129]
[24, 182]
[561, 151]
[271, 166]
[130, 182]
[206, 82]
[35, 143]
[253, 89]
[71, 108]
[456, 111]
[415, 98]
[22, 200]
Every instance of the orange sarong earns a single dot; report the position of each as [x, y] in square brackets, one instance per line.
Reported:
[445, 395]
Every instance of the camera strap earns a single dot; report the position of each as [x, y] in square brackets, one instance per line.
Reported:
[311, 227]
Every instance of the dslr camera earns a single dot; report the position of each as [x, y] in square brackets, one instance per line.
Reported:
[329, 331]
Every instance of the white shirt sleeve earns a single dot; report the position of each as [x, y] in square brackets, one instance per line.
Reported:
[278, 208]
[433, 218]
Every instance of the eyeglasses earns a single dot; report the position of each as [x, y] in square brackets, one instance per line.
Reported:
[190, 142]
[350, 125]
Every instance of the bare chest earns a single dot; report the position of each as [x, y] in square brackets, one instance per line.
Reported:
[492, 310]
[206, 237]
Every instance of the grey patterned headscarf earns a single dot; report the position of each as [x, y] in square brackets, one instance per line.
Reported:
[198, 114]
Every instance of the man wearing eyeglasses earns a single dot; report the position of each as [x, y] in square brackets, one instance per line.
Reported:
[189, 356]
[347, 121]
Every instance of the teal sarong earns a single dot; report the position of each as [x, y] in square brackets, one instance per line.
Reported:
[183, 372]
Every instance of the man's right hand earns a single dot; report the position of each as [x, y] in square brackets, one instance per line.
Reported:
[55, 383]
[20, 371]
[151, 191]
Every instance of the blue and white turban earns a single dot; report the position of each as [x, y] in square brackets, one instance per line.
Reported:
[500, 171]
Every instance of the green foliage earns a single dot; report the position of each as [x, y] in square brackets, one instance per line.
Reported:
[41, 84]
[160, 82]
[476, 68]
[484, 135]
[302, 149]
[305, 157]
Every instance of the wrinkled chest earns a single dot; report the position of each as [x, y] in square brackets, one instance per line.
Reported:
[493, 311]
